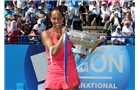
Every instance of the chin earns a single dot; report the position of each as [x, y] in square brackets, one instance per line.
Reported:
[60, 26]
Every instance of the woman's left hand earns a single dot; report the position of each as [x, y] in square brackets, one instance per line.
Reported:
[101, 39]
[82, 55]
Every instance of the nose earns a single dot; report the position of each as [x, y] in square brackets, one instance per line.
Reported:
[57, 20]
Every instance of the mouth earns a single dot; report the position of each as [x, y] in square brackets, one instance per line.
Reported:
[57, 25]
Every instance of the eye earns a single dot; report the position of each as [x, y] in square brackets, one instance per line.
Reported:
[57, 18]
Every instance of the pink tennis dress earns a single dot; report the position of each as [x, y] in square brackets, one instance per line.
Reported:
[55, 73]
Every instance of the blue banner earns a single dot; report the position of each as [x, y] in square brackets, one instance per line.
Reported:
[107, 68]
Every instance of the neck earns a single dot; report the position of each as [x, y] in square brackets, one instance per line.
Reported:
[57, 30]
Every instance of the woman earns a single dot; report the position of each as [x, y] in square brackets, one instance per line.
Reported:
[54, 38]
[128, 18]
[114, 20]
[125, 8]
[8, 26]
[94, 13]
[13, 29]
[105, 12]
[114, 6]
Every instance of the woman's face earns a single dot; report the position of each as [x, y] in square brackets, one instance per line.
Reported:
[125, 4]
[116, 14]
[56, 19]
[127, 15]
[133, 4]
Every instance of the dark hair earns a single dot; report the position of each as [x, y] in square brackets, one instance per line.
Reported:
[128, 13]
[57, 9]
[84, 2]
[125, 2]
[94, 2]
[63, 2]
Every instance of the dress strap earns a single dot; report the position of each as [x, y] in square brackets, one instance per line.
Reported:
[51, 55]
[51, 31]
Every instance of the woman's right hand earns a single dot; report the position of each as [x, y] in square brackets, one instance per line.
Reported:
[64, 29]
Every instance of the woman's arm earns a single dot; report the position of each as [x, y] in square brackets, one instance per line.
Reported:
[94, 46]
[97, 43]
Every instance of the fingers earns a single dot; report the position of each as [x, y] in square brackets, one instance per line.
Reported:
[101, 38]
[82, 56]
[65, 29]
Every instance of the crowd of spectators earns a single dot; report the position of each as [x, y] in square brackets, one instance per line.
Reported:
[31, 17]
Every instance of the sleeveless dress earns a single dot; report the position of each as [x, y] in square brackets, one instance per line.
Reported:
[55, 72]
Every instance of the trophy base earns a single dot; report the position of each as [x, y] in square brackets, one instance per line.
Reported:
[85, 51]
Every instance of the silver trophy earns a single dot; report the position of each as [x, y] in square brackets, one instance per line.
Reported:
[83, 41]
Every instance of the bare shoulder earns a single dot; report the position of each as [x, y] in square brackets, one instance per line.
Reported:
[45, 33]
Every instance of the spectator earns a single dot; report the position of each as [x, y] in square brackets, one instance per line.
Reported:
[20, 3]
[87, 2]
[8, 12]
[7, 27]
[123, 1]
[73, 10]
[20, 11]
[128, 18]
[41, 15]
[39, 27]
[6, 3]
[133, 14]
[84, 13]
[13, 29]
[52, 4]
[101, 1]
[31, 4]
[125, 9]
[33, 35]
[94, 13]
[31, 10]
[114, 21]
[127, 29]
[133, 8]
[19, 22]
[31, 15]
[111, 2]
[117, 40]
[105, 12]
[37, 3]
[43, 5]
[114, 6]
[26, 28]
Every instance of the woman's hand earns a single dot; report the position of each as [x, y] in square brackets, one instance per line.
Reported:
[64, 29]
[82, 55]
[101, 39]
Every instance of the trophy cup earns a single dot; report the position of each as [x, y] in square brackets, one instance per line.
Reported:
[82, 41]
